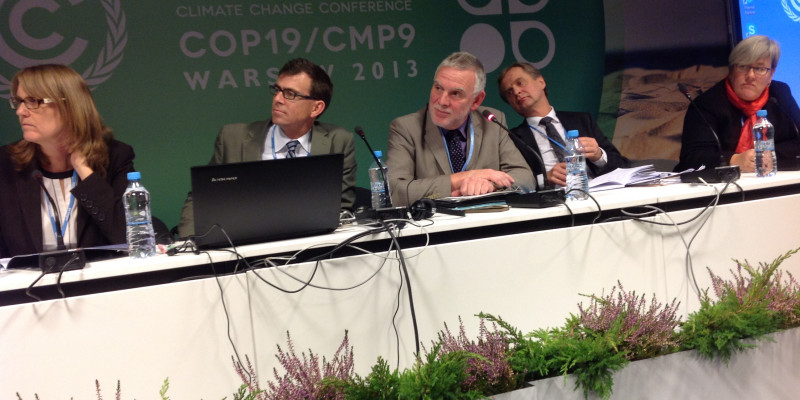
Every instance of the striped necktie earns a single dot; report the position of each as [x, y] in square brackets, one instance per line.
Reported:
[552, 133]
[290, 147]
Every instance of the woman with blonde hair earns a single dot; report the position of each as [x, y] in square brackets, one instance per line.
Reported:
[730, 106]
[61, 186]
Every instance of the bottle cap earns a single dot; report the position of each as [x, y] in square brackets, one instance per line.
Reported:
[134, 176]
[378, 153]
[761, 113]
[572, 134]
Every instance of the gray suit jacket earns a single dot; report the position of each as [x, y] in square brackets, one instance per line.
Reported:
[419, 166]
[245, 142]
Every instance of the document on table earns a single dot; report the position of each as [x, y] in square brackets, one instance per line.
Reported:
[623, 177]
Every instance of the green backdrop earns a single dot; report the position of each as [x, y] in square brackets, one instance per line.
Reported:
[167, 74]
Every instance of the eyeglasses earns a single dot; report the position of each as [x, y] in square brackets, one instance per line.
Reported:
[758, 71]
[30, 102]
[288, 94]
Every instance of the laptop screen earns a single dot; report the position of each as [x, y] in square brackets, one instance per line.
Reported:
[260, 201]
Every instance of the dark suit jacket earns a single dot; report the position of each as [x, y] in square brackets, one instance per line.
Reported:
[418, 161]
[698, 146]
[101, 216]
[586, 126]
[245, 142]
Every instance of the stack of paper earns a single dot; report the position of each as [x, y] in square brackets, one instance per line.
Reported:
[622, 177]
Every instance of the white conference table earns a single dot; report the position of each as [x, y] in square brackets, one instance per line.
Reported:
[532, 277]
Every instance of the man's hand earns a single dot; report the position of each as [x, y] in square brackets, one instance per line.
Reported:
[558, 175]
[480, 181]
[593, 150]
[746, 160]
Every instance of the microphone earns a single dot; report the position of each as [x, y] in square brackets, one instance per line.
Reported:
[360, 131]
[488, 115]
[382, 213]
[37, 175]
[780, 107]
[546, 197]
[724, 172]
[796, 162]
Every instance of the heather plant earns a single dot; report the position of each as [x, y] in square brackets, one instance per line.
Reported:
[489, 371]
[637, 329]
[250, 389]
[304, 376]
[602, 339]
[749, 306]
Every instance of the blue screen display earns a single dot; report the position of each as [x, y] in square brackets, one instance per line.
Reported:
[780, 20]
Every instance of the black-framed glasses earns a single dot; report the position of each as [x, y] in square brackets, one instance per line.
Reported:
[758, 71]
[31, 103]
[288, 94]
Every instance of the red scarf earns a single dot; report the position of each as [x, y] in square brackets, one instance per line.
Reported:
[749, 109]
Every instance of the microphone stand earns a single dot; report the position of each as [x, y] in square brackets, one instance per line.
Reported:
[547, 197]
[37, 175]
[722, 173]
[386, 212]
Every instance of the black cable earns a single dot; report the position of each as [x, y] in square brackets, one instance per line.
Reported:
[394, 316]
[714, 200]
[75, 257]
[571, 214]
[28, 290]
[408, 283]
[227, 316]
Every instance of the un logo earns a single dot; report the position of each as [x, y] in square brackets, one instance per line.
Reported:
[792, 8]
[26, 49]
[487, 43]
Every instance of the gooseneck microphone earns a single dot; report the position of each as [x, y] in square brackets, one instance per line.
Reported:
[774, 100]
[37, 175]
[794, 164]
[542, 198]
[685, 91]
[488, 115]
[360, 131]
[722, 173]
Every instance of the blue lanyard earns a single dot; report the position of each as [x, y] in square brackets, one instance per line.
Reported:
[470, 145]
[272, 134]
[548, 137]
[69, 209]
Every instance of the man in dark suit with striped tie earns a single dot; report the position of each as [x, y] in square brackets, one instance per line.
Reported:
[544, 129]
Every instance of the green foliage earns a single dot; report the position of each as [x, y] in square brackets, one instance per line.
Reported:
[590, 356]
[749, 307]
[382, 383]
[439, 377]
[244, 393]
[163, 391]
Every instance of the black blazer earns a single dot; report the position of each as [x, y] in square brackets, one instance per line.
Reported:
[698, 146]
[586, 126]
[100, 214]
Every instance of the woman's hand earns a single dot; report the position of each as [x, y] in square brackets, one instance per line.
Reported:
[746, 160]
[78, 161]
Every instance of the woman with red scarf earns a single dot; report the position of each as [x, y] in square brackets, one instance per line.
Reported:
[730, 106]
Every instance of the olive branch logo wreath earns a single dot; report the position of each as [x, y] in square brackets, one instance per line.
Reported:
[794, 17]
[110, 55]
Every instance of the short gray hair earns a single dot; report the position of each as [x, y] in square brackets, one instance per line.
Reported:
[463, 60]
[753, 49]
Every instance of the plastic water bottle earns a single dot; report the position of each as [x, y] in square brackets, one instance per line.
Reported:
[764, 143]
[141, 238]
[576, 169]
[380, 193]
